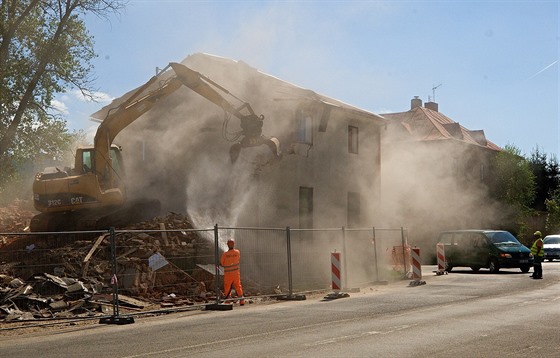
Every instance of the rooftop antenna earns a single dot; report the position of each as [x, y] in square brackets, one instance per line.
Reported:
[434, 91]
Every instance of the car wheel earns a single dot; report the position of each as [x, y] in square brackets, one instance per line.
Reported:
[475, 268]
[493, 266]
[525, 269]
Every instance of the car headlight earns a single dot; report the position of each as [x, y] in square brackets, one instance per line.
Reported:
[505, 256]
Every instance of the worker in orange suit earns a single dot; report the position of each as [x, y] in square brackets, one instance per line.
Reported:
[232, 275]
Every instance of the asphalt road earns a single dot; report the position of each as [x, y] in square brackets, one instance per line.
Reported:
[462, 314]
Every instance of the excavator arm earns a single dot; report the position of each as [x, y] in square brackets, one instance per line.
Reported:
[121, 117]
[93, 196]
[251, 124]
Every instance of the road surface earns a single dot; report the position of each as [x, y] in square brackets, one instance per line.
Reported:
[462, 314]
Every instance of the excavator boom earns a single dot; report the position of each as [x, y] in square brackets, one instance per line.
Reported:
[92, 195]
[251, 124]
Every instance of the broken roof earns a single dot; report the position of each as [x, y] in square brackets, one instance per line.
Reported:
[425, 124]
[240, 78]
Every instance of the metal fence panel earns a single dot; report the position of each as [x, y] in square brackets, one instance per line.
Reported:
[264, 263]
[52, 274]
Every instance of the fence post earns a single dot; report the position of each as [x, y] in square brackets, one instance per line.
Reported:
[344, 254]
[216, 263]
[115, 318]
[404, 251]
[217, 306]
[290, 295]
[375, 255]
[289, 257]
[377, 281]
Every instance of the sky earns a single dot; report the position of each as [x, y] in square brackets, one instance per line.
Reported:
[490, 65]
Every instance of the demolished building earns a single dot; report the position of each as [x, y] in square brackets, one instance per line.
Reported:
[328, 174]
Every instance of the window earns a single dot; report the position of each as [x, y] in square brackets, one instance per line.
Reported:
[353, 206]
[304, 126]
[116, 161]
[481, 172]
[305, 208]
[87, 161]
[352, 139]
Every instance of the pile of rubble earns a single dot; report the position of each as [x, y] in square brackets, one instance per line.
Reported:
[162, 261]
[16, 216]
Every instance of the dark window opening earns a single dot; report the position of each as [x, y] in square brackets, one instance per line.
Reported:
[352, 139]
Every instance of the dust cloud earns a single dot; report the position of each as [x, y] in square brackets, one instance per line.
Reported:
[177, 153]
[431, 186]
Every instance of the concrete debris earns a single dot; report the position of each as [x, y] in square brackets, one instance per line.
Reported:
[46, 296]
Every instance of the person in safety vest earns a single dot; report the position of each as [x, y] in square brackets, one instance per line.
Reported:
[538, 253]
[232, 276]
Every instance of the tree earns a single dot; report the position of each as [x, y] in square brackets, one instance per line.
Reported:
[45, 49]
[547, 177]
[553, 212]
[513, 184]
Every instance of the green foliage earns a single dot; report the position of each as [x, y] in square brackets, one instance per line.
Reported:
[553, 212]
[514, 182]
[45, 49]
[547, 177]
[513, 185]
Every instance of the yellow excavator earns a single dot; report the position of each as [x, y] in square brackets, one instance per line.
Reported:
[92, 195]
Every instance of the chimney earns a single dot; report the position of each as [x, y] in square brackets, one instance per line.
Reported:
[415, 102]
[431, 105]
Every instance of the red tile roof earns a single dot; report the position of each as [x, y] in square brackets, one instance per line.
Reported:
[426, 125]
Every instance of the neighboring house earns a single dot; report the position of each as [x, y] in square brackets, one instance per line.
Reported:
[329, 174]
[435, 172]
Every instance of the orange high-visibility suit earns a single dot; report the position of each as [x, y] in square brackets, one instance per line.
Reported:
[232, 276]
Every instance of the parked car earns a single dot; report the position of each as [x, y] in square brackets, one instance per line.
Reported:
[551, 247]
[491, 249]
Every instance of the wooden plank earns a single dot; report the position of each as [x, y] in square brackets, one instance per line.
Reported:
[94, 247]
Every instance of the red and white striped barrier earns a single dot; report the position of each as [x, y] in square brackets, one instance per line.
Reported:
[336, 281]
[440, 254]
[335, 270]
[416, 268]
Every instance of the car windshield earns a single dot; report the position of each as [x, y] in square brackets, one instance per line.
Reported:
[502, 237]
[552, 240]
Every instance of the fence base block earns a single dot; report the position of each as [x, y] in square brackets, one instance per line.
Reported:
[291, 298]
[336, 295]
[116, 320]
[219, 307]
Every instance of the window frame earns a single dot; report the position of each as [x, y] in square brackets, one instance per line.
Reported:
[353, 139]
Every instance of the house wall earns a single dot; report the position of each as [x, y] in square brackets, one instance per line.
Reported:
[329, 169]
[176, 153]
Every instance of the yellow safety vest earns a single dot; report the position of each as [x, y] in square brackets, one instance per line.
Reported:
[535, 248]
